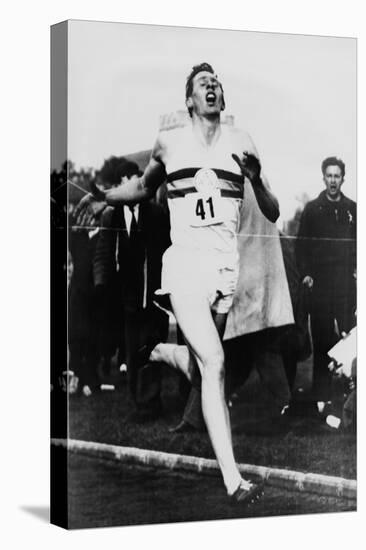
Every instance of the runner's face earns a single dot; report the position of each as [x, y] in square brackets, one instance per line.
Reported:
[333, 180]
[207, 96]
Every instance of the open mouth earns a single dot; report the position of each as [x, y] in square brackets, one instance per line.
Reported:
[211, 98]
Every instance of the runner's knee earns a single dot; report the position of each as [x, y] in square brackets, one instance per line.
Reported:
[213, 365]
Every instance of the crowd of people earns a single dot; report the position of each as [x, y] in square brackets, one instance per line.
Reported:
[240, 292]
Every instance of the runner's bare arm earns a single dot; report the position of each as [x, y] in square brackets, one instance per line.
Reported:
[141, 188]
[250, 167]
[133, 191]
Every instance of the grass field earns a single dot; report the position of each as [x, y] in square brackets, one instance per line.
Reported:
[294, 443]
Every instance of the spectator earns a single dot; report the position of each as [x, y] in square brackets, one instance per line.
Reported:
[83, 348]
[128, 261]
[326, 255]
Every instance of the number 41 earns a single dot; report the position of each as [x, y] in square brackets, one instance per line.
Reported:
[200, 208]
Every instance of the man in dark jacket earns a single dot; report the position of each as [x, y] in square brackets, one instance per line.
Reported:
[128, 261]
[326, 255]
[82, 326]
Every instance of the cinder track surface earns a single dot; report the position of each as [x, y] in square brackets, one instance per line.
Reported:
[105, 493]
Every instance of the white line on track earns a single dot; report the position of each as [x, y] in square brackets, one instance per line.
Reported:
[323, 485]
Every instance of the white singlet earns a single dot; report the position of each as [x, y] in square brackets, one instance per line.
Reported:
[205, 193]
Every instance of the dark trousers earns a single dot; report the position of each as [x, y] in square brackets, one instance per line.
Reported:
[109, 326]
[141, 327]
[83, 346]
[83, 361]
[332, 312]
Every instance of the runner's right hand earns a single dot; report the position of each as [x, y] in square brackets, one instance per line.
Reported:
[90, 207]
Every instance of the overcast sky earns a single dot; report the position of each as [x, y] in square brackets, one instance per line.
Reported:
[295, 95]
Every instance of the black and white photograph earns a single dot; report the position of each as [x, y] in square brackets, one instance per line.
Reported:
[203, 219]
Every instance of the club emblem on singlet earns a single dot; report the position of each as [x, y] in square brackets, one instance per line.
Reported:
[206, 181]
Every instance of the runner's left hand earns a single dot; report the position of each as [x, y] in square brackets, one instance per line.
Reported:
[249, 165]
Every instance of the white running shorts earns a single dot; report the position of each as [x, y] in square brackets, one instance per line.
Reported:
[194, 272]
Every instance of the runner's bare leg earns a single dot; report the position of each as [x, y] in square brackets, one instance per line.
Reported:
[195, 319]
[177, 356]
[220, 323]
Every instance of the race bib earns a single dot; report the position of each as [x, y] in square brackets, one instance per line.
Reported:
[205, 206]
[204, 209]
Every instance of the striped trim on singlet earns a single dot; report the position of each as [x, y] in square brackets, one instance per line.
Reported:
[234, 180]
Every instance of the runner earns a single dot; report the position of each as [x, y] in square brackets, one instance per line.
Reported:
[206, 165]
